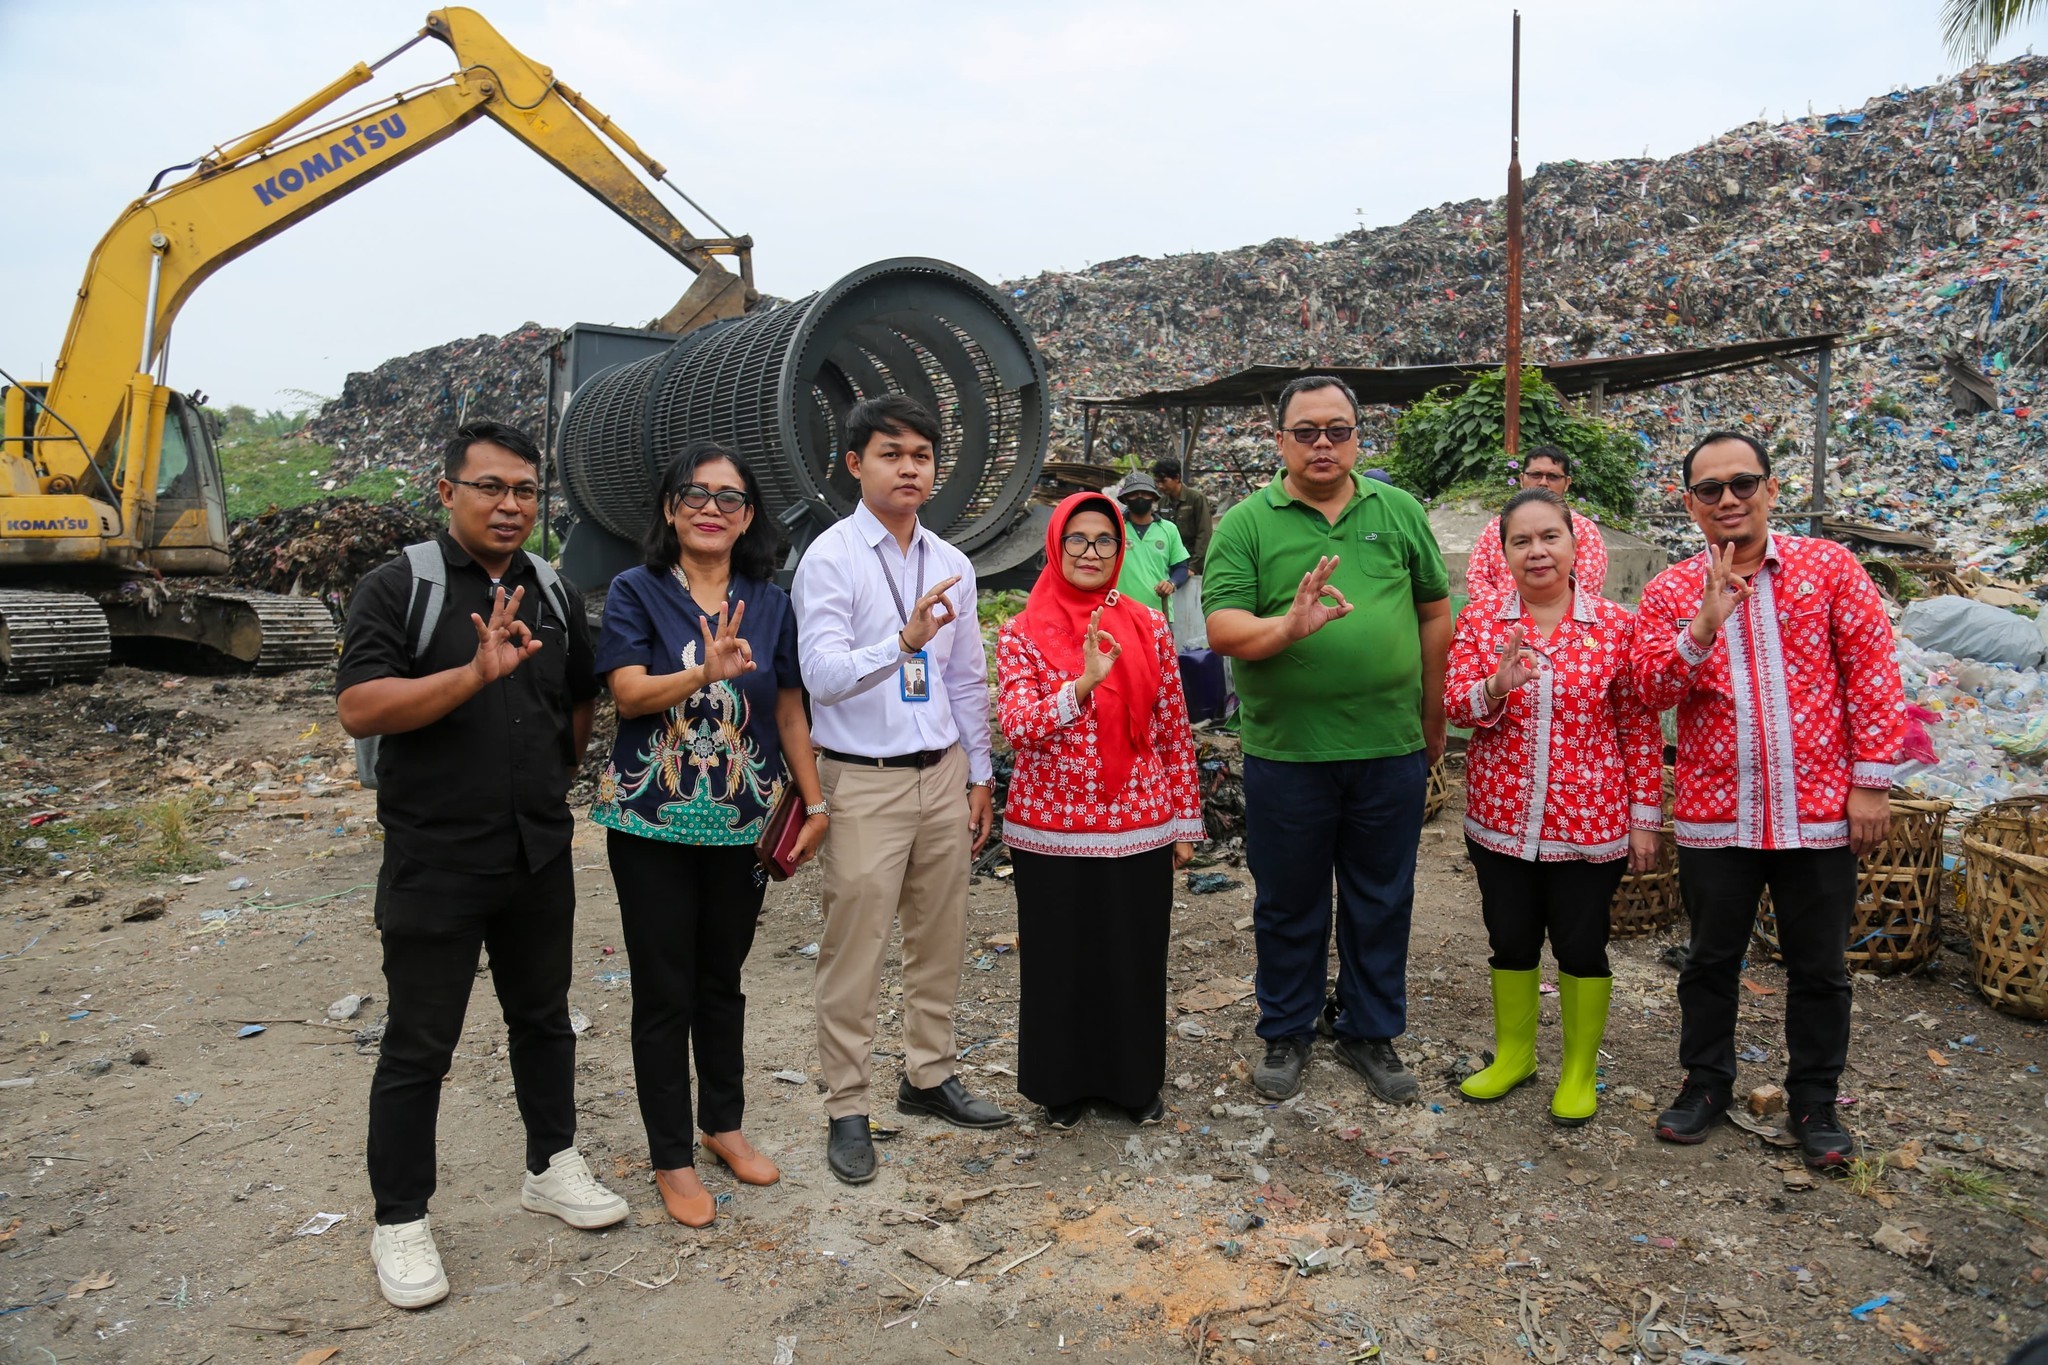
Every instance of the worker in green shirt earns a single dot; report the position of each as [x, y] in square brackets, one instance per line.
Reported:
[1329, 591]
[1155, 560]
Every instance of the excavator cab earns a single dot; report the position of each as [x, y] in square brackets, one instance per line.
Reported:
[189, 534]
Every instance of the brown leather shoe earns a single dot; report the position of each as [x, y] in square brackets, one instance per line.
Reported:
[748, 1166]
[691, 1210]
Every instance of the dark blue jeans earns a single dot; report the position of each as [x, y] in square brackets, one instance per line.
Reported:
[1360, 819]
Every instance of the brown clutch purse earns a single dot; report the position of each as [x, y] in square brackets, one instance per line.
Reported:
[776, 848]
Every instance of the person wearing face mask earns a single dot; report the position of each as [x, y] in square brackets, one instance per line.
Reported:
[1563, 789]
[893, 658]
[1777, 652]
[1155, 559]
[1103, 807]
[699, 649]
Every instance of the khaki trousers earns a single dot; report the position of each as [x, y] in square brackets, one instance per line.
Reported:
[898, 849]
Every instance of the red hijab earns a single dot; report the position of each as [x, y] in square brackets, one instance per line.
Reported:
[1055, 619]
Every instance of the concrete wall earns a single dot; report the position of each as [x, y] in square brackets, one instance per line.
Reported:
[1631, 561]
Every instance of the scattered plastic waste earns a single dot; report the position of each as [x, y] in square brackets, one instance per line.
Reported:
[250, 1030]
[318, 1224]
[345, 1008]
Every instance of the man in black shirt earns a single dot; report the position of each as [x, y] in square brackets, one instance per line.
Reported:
[481, 732]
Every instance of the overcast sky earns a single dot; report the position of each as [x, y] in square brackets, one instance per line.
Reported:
[1009, 139]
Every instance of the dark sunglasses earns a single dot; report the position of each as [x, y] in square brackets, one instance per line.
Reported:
[1103, 547]
[1709, 490]
[696, 496]
[1307, 435]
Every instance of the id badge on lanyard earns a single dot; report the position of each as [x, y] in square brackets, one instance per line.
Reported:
[914, 674]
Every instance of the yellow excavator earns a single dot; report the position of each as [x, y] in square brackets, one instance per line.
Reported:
[110, 489]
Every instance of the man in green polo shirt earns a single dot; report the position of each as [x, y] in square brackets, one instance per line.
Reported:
[1330, 593]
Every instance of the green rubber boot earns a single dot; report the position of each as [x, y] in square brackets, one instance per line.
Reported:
[1514, 1037]
[1582, 1002]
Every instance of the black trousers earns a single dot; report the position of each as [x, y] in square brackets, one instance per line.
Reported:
[688, 911]
[1091, 1009]
[434, 923]
[1814, 893]
[1567, 900]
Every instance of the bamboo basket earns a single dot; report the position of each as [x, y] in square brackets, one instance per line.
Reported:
[2005, 903]
[1896, 924]
[1438, 793]
[1648, 901]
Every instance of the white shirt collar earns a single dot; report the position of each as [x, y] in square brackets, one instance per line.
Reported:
[871, 530]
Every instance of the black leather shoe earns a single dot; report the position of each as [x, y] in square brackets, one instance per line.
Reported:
[950, 1101]
[1697, 1109]
[1278, 1077]
[1385, 1073]
[1150, 1114]
[850, 1150]
[1823, 1142]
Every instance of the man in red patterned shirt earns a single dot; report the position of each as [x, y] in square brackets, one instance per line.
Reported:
[1778, 654]
[1486, 568]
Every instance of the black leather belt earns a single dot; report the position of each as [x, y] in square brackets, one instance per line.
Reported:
[929, 758]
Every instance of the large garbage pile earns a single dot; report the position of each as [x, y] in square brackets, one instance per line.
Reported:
[322, 549]
[1990, 733]
[401, 413]
[1918, 217]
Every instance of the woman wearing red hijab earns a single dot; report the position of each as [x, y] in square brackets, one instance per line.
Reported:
[1103, 807]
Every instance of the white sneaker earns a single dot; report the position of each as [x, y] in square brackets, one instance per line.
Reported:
[571, 1193]
[408, 1264]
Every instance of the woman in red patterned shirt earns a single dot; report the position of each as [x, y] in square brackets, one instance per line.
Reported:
[1101, 811]
[1563, 788]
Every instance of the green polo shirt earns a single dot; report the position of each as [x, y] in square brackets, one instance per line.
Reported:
[1354, 688]
[1149, 551]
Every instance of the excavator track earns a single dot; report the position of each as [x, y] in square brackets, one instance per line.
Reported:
[48, 638]
[236, 628]
[298, 632]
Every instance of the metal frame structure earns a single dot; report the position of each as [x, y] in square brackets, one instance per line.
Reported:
[1592, 378]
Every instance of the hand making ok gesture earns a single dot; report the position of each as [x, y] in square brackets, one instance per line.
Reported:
[1099, 653]
[1310, 613]
[1726, 590]
[933, 610]
[503, 642]
[726, 655]
[1517, 668]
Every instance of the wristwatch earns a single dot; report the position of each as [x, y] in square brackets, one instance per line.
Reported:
[822, 808]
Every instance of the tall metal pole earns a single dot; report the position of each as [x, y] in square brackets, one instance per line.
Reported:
[1514, 330]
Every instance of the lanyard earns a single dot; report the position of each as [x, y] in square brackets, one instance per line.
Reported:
[896, 593]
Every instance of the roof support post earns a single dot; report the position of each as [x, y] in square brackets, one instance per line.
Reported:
[1819, 502]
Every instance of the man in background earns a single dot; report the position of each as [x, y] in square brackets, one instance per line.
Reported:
[1188, 509]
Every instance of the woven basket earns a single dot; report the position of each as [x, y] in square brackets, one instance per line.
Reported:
[2005, 903]
[1437, 794]
[1648, 901]
[1896, 924]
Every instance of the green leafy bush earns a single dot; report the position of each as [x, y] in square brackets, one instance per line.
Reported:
[1458, 436]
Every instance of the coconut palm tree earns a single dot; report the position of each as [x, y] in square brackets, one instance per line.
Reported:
[1971, 28]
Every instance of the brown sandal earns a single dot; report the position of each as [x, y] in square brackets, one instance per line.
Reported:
[691, 1210]
[749, 1168]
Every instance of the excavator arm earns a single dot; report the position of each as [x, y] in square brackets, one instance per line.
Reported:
[101, 405]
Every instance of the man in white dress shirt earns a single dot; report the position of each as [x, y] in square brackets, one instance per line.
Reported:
[892, 655]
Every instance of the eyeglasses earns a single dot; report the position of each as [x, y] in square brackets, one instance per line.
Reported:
[526, 494]
[1744, 485]
[1307, 435]
[696, 497]
[1543, 476]
[1102, 547]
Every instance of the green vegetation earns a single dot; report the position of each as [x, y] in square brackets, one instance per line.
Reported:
[1454, 440]
[267, 466]
[163, 836]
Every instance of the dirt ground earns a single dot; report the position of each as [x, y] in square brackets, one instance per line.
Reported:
[181, 859]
